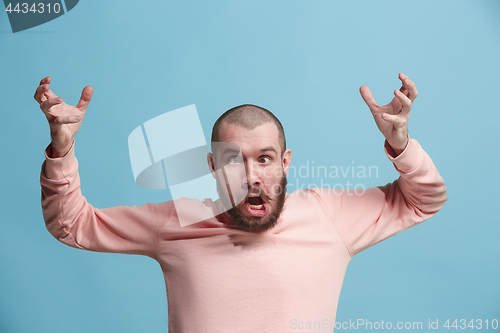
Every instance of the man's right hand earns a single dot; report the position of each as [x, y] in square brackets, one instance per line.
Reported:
[64, 120]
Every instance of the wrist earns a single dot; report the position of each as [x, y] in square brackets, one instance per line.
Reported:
[398, 149]
[56, 151]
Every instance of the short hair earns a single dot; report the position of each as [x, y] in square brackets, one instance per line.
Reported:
[249, 116]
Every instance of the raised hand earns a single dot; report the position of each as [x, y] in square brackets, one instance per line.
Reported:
[392, 119]
[64, 120]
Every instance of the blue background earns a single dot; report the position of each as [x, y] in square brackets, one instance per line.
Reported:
[303, 60]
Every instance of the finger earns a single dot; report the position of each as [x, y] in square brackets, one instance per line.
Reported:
[40, 93]
[404, 91]
[86, 97]
[405, 101]
[396, 120]
[368, 97]
[46, 105]
[66, 120]
[43, 82]
[404, 87]
[409, 86]
[43, 93]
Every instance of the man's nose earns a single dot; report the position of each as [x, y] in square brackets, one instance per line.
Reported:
[253, 176]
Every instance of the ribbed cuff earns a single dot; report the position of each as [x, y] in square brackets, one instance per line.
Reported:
[60, 167]
[409, 159]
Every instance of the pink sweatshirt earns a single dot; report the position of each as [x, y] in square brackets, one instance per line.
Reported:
[220, 278]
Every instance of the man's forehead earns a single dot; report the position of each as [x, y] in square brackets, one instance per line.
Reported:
[263, 137]
[229, 132]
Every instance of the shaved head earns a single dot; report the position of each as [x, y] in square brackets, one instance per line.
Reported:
[254, 171]
[249, 116]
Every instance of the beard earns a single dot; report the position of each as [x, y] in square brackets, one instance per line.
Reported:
[256, 223]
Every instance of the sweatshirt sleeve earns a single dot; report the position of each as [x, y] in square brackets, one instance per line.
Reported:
[364, 219]
[73, 221]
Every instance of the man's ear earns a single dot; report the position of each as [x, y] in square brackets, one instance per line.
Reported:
[211, 164]
[286, 160]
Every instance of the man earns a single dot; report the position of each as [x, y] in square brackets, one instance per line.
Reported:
[273, 260]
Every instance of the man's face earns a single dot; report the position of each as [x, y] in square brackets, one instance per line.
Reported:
[256, 174]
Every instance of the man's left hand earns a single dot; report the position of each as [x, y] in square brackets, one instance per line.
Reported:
[392, 119]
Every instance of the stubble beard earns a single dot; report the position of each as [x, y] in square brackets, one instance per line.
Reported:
[255, 223]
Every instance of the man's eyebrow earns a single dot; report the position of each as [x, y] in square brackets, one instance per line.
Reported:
[237, 151]
[270, 148]
[231, 150]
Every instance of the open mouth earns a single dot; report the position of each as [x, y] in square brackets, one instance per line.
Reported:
[255, 202]
[256, 206]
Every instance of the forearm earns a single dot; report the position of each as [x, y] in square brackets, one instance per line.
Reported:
[75, 222]
[365, 219]
[420, 183]
[61, 197]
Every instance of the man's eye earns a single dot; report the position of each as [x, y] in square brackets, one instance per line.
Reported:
[265, 159]
[235, 160]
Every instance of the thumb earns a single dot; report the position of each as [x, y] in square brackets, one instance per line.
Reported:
[368, 97]
[86, 97]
